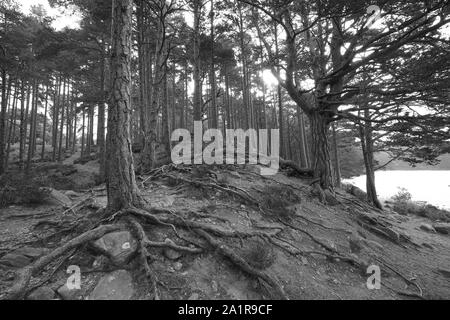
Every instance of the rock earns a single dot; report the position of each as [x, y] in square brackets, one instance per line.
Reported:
[356, 243]
[42, 293]
[194, 296]
[72, 194]
[117, 285]
[69, 294]
[59, 198]
[304, 261]
[443, 228]
[444, 272]
[12, 260]
[118, 246]
[178, 266]
[172, 254]
[427, 227]
[214, 286]
[21, 257]
[31, 252]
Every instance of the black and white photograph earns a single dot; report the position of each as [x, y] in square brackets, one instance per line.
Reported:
[225, 155]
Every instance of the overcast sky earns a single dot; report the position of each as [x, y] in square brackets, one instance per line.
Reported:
[62, 19]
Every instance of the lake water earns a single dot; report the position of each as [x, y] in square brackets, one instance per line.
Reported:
[432, 187]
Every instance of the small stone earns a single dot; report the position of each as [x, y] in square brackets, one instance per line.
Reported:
[194, 296]
[59, 198]
[42, 293]
[214, 286]
[178, 266]
[72, 194]
[427, 227]
[444, 272]
[356, 243]
[118, 246]
[15, 261]
[170, 253]
[69, 294]
[117, 285]
[21, 257]
[443, 228]
[304, 261]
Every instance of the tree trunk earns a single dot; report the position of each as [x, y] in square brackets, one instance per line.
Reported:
[12, 125]
[56, 101]
[212, 76]
[367, 148]
[304, 161]
[101, 123]
[198, 105]
[337, 165]
[121, 182]
[44, 125]
[3, 110]
[321, 150]
[22, 125]
[61, 131]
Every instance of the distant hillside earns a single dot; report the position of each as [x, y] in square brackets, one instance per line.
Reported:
[383, 157]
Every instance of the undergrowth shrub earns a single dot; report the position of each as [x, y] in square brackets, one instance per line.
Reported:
[20, 189]
[259, 254]
[277, 201]
[402, 203]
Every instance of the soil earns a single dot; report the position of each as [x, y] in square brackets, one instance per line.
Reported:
[317, 251]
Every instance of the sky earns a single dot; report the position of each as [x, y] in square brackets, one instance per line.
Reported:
[62, 19]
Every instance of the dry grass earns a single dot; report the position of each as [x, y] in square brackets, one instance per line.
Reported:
[260, 255]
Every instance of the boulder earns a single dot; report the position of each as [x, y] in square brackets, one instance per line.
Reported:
[59, 198]
[117, 285]
[15, 261]
[427, 227]
[22, 257]
[118, 246]
[170, 253]
[443, 228]
[69, 294]
[42, 293]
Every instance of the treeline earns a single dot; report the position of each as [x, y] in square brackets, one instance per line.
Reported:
[343, 79]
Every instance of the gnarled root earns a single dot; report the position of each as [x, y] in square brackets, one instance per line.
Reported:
[241, 263]
[24, 275]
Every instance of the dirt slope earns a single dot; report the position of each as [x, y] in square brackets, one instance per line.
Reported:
[275, 224]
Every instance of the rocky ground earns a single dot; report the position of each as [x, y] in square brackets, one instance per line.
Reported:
[227, 233]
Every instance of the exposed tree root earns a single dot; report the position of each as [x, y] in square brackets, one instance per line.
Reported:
[24, 276]
[144, 254]
[240, 262]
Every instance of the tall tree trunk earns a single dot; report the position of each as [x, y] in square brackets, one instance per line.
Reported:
[32, 127]
[367, 148]
[4, 107]
[61, 131]
[83, 134]
[337, 165]
[304, 161]
[121, 182]
[198, 105]
[56, 107]
[101, 123]
[12, 126]
[321, 150]
[165, 115]
[44, 125]
[22, 134]
[212, 76]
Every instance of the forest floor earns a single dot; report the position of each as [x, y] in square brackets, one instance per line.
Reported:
[274, 224]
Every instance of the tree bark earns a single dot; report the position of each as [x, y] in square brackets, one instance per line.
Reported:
[321, 150]
[3, 110]
[121, 182]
